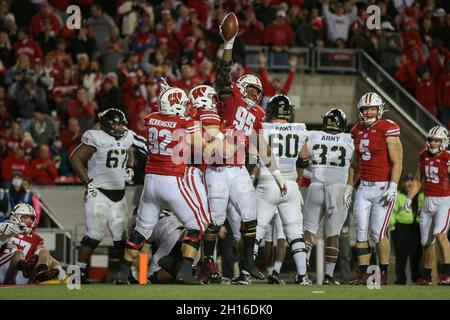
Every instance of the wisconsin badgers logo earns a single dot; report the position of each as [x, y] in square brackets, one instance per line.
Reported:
[174, 98]
[199, 92]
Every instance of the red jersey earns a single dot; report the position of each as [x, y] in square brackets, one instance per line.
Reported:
[371, 149]
[167, 149]
[28, 243]
[435, 171]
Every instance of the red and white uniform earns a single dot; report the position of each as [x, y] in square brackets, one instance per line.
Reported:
[436, 208]
[28, 244]
[165, 186]
[231, 181]
[375, 171]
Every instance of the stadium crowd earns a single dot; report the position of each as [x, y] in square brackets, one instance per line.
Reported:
[54, 81]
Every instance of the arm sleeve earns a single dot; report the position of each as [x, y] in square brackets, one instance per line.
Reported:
[267, 87]
[288, 83]
[223, 81]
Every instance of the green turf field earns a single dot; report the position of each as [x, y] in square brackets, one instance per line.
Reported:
[223, 292]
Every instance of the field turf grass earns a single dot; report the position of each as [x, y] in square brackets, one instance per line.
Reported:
[224, 292]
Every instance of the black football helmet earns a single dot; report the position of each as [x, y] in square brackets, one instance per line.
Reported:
[334, 120]
[280, 107]
[110, 117]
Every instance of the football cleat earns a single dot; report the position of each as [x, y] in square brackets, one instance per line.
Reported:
[210, 268]
[187, 278]
[274, 278]
[242, 279]
[45, 275]
[424, 282]
[444, 280]
[302, 280]
[252, 269]
[329, 281]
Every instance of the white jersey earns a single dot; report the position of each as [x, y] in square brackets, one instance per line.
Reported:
[107, 165]
[331, 155]
[165, 225]
[286, 140]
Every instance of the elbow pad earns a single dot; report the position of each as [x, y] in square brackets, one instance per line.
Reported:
[302, 163]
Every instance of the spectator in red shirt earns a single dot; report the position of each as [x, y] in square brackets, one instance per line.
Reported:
[14, 136]
[206, 73]
[406, 74]
[271, 88]
[279, 34]
[71, 136]
[82, 109]
[60, 57]
[252, 29]
[15, 161]
[426, 89]
[444, 95]
[143, 39]
[43, 167]
[45, 15]
[188, 78]
[411, 38]
[26, 45]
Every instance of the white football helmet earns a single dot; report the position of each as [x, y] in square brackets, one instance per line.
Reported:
[371, 99]
[173, 102]
[437, 133]
[20, 210]
[249, 80]
[203, 97]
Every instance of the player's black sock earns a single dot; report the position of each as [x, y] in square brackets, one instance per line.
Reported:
[186, 264]
[208, 247]
[120, 248]
[125, 268]
[383, 268]
[248, 246]
[21, 265]
[446, 268]
[427, 273]
[363, 268]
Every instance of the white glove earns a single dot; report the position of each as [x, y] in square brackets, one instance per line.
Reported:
[228, 44]
[9, 228]
[389, 195]
[407, 205]
[61, 274]
[348, 196]
[90, 191]
[280, 181]
[129, 175]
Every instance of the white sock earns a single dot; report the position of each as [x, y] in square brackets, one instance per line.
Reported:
[299, 255]
[269, 270]
[329, 268]
[277, 266]
[245, 273]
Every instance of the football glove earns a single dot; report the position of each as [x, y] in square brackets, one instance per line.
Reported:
[62, 273]
[280, 182]
[389, 195]
[407, 205]
[90, 190]
[348, 196]
[10, 228]
[129, 175]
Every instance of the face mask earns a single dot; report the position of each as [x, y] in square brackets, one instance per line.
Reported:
[16, 183]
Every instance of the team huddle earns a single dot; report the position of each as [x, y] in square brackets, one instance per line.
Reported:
[215, 154]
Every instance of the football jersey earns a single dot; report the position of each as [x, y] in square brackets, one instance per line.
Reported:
[168, 152]
[107, 165]
[285, 140]
[163, 227]
[26, 242]
[331, 155]
[435, 172]
[371, 149]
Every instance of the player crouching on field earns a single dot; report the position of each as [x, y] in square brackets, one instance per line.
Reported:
[434, 171]
[23, 257]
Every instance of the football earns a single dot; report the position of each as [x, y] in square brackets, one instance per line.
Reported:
[229, 26]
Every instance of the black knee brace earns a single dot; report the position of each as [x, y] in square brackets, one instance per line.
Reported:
[212, 229]
[363, 251]
[89, 242]
[298, 250]
[193, 238]
[248, 228]
[135, 241]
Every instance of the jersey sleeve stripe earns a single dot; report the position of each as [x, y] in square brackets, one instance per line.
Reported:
[209, 116]
[192, 129]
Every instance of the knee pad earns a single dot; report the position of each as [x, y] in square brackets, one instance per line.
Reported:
[297, 246]
[363, 251]
[213, 229]
[135, 241]
[248, 228]
[193, 238]
[89, 242]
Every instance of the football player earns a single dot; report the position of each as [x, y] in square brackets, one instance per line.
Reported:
[231, 181]
[434, 171]
[287, 141]
[23, 256]
[103, 162]
[170, 134]
[378, 162]
[331, 152]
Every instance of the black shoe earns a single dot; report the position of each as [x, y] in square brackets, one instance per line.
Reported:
[276, 278]
[132, 279]
[242, 279]
[330, 281]
[303, 280]
[186, 277]
[84, 279]
[210, 268]
[252, 269]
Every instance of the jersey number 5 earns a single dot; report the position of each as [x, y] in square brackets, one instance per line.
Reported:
[363, 148]
[244, 120]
